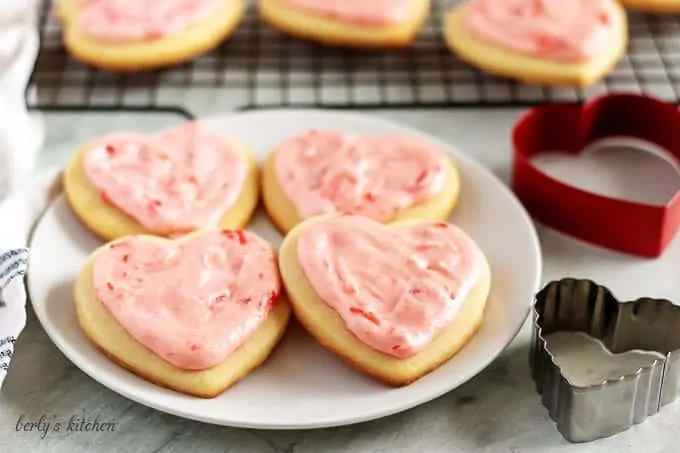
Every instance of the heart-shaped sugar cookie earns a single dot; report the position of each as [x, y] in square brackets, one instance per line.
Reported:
[193, 314]
[541, 42]
[382, 177]
[373, 13]
[395, 301]
[130, 21]
[652, 6]
[385, 24]
[133, 36]
[181, 180]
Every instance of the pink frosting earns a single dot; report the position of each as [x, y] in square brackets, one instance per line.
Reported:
[375, 12]
[563, 30]
[178, 181]
[395, 289]
[325, 172]
[191, 301]
[122, 21]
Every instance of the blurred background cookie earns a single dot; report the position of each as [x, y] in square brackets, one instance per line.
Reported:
[137, 35]
[653, 6]
[547, 42]
[356, 23]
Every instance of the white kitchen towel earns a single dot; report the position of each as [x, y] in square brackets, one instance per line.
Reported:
[21, 132]
[18, 215]
[21, 136]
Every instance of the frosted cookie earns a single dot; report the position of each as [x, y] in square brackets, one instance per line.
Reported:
[355, 23]
[394, 301]
[137, 35]
[386, 178]
[549, 42]
[176, 182]
[653, 6]
[194, 314]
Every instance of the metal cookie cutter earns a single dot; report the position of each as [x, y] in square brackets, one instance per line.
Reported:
[646, 230]
[587, 413]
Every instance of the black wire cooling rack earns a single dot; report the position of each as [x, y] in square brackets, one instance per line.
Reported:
[261, 68]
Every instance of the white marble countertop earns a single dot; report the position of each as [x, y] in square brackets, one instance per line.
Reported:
[496, 412]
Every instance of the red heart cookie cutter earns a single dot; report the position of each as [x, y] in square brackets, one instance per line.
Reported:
[626, 226]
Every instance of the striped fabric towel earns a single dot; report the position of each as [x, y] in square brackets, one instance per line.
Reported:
[13, 264]
[18, 214]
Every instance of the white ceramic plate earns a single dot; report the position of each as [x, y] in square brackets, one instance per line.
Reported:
[302, 385]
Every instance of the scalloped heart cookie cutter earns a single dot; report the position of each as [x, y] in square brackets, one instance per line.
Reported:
[587, 412]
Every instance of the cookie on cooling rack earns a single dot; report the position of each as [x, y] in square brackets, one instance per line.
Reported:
[394, 301]
[137, 35]
[181, 180]
[383, 177]
[547, 42]
[194, 314]
[653, 6]
[351, 23]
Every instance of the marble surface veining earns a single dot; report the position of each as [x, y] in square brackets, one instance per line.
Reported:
[496, 412]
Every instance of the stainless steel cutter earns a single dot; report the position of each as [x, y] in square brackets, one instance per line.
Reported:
[587, 413]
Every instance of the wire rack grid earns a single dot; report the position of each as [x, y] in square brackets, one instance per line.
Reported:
[261, 68]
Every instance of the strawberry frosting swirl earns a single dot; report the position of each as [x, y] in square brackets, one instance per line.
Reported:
[375, 12]
[121, 21]
[562, 30]
[377, 176]
[181, 180]
[396, 289]
[191, 301]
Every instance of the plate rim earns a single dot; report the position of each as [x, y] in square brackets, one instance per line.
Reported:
[346, 421]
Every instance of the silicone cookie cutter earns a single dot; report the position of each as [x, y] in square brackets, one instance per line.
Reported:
[585, 413]
[626, 226]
